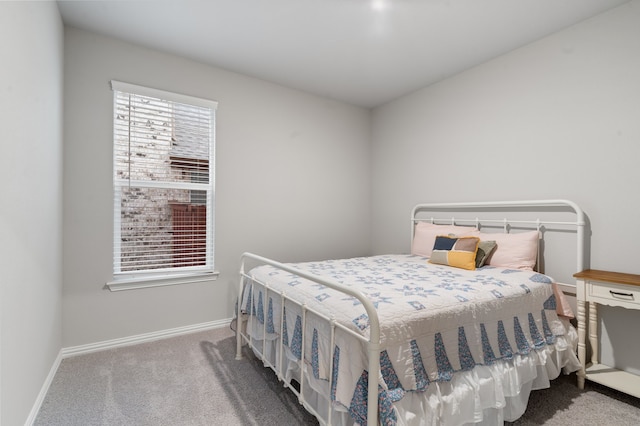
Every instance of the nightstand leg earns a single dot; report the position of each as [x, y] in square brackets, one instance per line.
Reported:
[593, 332]
[582, 337]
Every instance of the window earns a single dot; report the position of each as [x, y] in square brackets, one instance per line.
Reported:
[163, 158]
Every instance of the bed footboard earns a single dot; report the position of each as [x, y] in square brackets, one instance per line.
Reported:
[372, 343]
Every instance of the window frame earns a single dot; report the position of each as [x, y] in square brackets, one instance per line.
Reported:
[172, 275]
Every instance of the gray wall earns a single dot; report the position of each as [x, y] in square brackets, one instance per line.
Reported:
[559, 118]
[31, 42]
[555, 119]
[292, 182]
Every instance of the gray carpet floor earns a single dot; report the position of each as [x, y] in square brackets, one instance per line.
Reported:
[195, 380]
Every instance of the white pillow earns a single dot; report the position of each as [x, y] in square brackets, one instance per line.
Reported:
[425, 236]
[514, 251]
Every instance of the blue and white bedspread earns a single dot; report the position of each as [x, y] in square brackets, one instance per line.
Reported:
[436, 322]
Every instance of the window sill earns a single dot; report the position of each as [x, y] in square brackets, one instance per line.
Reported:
[160, 281]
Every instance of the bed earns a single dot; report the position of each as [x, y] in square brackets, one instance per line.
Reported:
[458, 331]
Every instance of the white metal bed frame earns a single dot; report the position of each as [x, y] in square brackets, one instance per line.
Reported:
[373, 342]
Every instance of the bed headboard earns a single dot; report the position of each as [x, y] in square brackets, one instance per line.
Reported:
[563, 217]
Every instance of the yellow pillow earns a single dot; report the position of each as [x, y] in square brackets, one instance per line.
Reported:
[459, 252]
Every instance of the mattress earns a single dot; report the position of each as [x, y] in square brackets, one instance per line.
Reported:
[455, 344]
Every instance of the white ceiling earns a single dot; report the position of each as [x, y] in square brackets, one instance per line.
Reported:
[365, 52]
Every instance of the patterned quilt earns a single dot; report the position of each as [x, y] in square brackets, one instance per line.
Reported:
[435, 321]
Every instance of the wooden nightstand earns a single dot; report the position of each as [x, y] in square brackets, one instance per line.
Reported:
[606, 288]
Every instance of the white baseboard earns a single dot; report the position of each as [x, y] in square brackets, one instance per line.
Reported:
[116, 343]
[142, 338]
[569, 289]
[43, 391]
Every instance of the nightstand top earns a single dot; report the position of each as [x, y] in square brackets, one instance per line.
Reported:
[608, 276]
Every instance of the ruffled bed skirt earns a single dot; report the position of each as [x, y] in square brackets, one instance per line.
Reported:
[486, 395]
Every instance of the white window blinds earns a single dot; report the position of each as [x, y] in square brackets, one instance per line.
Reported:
[163, 158]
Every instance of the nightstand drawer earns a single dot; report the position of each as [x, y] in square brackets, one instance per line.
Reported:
[619, 294]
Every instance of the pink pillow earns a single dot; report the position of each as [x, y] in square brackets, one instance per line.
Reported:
[514, 251]
[426, 233]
